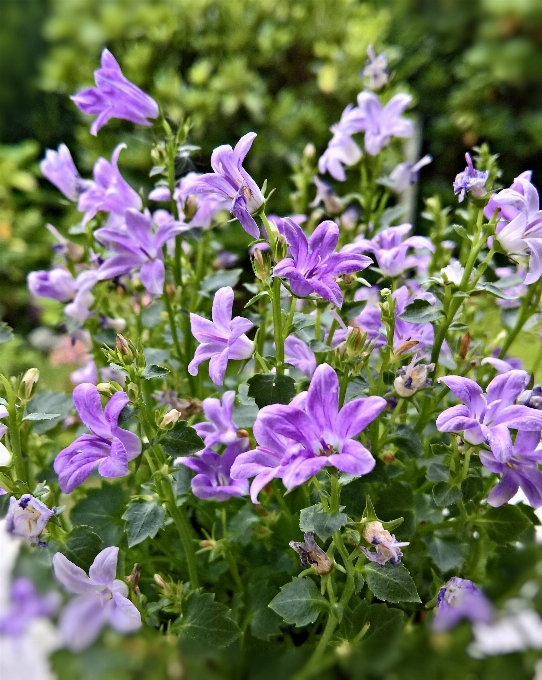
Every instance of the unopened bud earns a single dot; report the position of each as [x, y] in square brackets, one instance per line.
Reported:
[404, 347]
[162, 584]
[30, 378]
[464, 345]
[170, 418]
[132, 391]
[355, 342]
[123, 348]
[104, 388]
[281, 249]
[5, 456]
[242, 433]
[190, 207]
[348, 279]
[388, 457]
[261, 263]
[309, 151]
[207, 544]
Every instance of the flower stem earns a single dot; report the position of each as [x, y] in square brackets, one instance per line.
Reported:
[529, 306]
[14, 432]
[277, 326]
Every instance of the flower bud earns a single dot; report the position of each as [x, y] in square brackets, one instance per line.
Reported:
[105, 388]
[309, 151]
[170, 418]
[132, 392]
[281, 249]
[30, 378]
[355, 342]
[242, 433]
[261, 263]
[464, 345]
[123, 348]
[5, 456]
[162, 584]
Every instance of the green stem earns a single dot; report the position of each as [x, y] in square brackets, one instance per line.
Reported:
[529, 306]
[14, 432]
[277, 326]
[173, 327]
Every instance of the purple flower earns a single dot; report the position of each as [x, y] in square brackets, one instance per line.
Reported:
[108, 448]
[406, 174]
[58, 284]
[114, 97]
[109, 191]
[460, 599]
[387, 548]
[25, 606]
[376, 68]
[509, 210]
[231, 182]
[325, 194]
[380, 123]
[60, 170]
[520, 229]
[502, 365]
[138, 247]
[519, 470]
[86, 374]
[27, 517]
[313, 264]
[213, 481]
[390, 250]
[219, 428]
[101, 600]
[221, 339]
[470, 181]
[299, 354]
[342, 149]
[488, 418]
[297, 441]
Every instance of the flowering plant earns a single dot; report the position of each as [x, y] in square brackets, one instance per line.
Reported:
[349, 394]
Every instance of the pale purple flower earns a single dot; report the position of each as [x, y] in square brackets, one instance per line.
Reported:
[86, 374]
[109, 192]
[219, 427]
[488, 418]
[101, 600]
[325, 194]
[27, 517]
[114, 97]
[412, 377]
[470, 181]
[517, 288]
[58, 167]
[26, 605]
[213, 481]
[231, 182]
[519, 470]
[405, 174]
[460, 599]
[79, 308]
[381, 123]
[299, 354]
[509, 210]
[3, 414]
[502, 365]
[390, 250]
[57, 284]
[138, 247]
[296, 441]
[387, 548]
[108, 447]
[221, 339]
[342, 149]
[519, 231]
[376, 68]
[531, 398]
[313, 264]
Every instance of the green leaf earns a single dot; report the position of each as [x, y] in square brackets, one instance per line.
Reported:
[319, 347]
[392, 584]
[444, 494]
[80, 546]
[421, 311]
[504, 524]
[225, 277]
[143, 520]
[494, 290]
[461, 231]
[437, 472]
[182, 440]
[241, 525]
[258, 296]
[264, 622]
[299, 602]
[6, 333]
[271, 388]
[471, 487]
[205, 624]
[154, 371]
[49, 402]
[379, 647]
[37, 417]
[324, 524]
[102, 510]
[446, 554]
[4, 504]
[407, 441]
[302, 321]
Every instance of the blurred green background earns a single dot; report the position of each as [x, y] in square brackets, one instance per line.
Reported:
[284, 69]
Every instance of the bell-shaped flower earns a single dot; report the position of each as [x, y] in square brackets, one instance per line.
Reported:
[139, 247]
[27, 517]
[101, 600]
[114, 97]
[317, 435]
[219, 427]
[460, 599]
[60, 170]
[213, 481]
[299, 354]
[313, 263]
[406, 174]
[25, 606]
[488, 418]
[470, 181]
[376, 69]
[342, 149]
[221, 339]
[381, 123]
[59, 284]
[390, 250]
[230, 181]
[108, 448]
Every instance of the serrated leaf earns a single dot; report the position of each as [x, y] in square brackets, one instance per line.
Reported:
[102, 510]
[271, 388]
[143, 520]
[421, 311]
[461, 231]
[299, 602]
[437, 472]
[259, 296]
[37, 417]
[444, 494]
[392, 584]
[446, 554]
[49, 402]
[324, 524]
[6, 332]
[264, 622]
[182, 440]
[319, 347]
[302, 321]
[205, 624]
[154, 371]
[80, 546]
[407, 441]
[504, 524]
